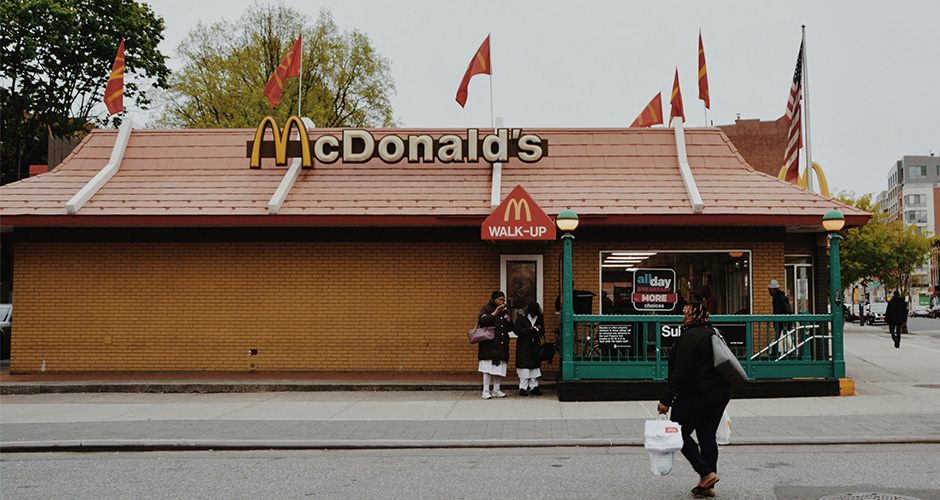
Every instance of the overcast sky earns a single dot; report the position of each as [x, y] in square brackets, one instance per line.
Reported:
[874, 66]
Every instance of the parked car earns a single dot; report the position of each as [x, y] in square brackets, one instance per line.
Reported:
[6, 325]
[920, 311]
[934, 311]
[875, 312]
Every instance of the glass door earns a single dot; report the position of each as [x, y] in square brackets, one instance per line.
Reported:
[799, 287]
[521, 280]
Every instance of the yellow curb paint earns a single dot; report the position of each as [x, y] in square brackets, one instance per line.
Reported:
[846, 387]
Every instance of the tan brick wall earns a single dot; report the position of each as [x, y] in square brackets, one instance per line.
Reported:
[305, 306]
[389, 307]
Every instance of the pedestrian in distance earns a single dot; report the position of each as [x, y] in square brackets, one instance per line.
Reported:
[781, 305]
[529, 328]
[697, 395]
[896, 316]
[494, 354]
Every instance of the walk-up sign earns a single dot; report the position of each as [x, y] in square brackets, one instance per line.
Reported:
[518, 217]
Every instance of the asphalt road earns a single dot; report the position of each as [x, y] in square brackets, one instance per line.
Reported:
[747, 472]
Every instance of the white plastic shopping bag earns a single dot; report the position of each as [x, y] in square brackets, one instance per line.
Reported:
[662, 438]
[723, 434]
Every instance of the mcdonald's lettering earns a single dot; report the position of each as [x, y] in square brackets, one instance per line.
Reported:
[359, 145]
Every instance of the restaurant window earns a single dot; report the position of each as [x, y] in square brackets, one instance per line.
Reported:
[725, 275]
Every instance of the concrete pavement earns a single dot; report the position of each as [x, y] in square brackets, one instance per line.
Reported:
[898, 401]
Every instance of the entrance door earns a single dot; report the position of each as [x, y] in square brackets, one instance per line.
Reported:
[521, 279]
[799, 283]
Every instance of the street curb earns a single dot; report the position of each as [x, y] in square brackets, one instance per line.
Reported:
[25, 388]
[130, 445]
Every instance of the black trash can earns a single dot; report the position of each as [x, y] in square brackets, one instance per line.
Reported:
[583, 301]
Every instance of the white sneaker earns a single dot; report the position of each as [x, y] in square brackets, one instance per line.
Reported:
[499, 394]
[486, 395]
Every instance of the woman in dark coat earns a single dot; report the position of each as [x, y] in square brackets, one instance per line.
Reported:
[494, 354]
[529, 327]
[697, 394]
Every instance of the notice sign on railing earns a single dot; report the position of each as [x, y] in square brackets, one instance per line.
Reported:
[654, 289]
[613, 336]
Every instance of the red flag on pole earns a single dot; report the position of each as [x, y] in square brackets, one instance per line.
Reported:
[480, 64]
[290, 66]
[652, 114]
[676, 101]
[114, 90]
[793, 117]
[702, 74]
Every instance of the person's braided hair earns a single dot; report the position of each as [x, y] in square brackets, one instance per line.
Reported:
[697, 312]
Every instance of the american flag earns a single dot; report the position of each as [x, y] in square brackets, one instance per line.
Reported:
[793, 117]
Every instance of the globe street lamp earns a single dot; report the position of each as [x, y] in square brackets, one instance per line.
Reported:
[567, 221]
[833, 221]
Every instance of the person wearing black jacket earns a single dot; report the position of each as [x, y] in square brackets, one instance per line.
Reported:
[896, 316]
[529, 328]
[494, 354]
[697, 395]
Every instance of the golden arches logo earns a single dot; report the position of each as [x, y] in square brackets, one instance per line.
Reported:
[823, 185]
[280, 142]
[518, 204]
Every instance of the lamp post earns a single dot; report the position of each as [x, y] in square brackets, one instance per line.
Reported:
[833, 222]
[567, 221]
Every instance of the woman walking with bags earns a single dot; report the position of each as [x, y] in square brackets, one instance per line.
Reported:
[697, 394]
[528, 329]
[494, 354]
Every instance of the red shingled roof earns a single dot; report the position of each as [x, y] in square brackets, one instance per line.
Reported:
[608, 176]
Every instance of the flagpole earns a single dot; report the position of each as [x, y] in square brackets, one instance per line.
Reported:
[809, 154]
[300, 79]
[492, 119]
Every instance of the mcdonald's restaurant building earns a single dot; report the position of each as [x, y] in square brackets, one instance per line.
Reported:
[372, 250]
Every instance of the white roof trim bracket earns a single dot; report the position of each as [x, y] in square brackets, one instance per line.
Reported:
[287, 183]
[497, 183]
[698, 206]
[102, 177]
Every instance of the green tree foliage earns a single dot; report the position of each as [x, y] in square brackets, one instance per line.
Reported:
[886, 251]
[55, 61]
[346, 83]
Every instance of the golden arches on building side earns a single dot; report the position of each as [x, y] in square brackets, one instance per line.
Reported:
[823, 185]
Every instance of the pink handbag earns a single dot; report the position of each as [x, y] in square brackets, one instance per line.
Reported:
[483, 334]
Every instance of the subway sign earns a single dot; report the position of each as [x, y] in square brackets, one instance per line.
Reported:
[654, 289]
[518, 217]
[359, 146]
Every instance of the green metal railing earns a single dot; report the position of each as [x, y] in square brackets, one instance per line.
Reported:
[636, 346]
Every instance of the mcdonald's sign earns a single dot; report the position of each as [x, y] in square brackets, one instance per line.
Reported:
[359, 145]
[518, 217]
